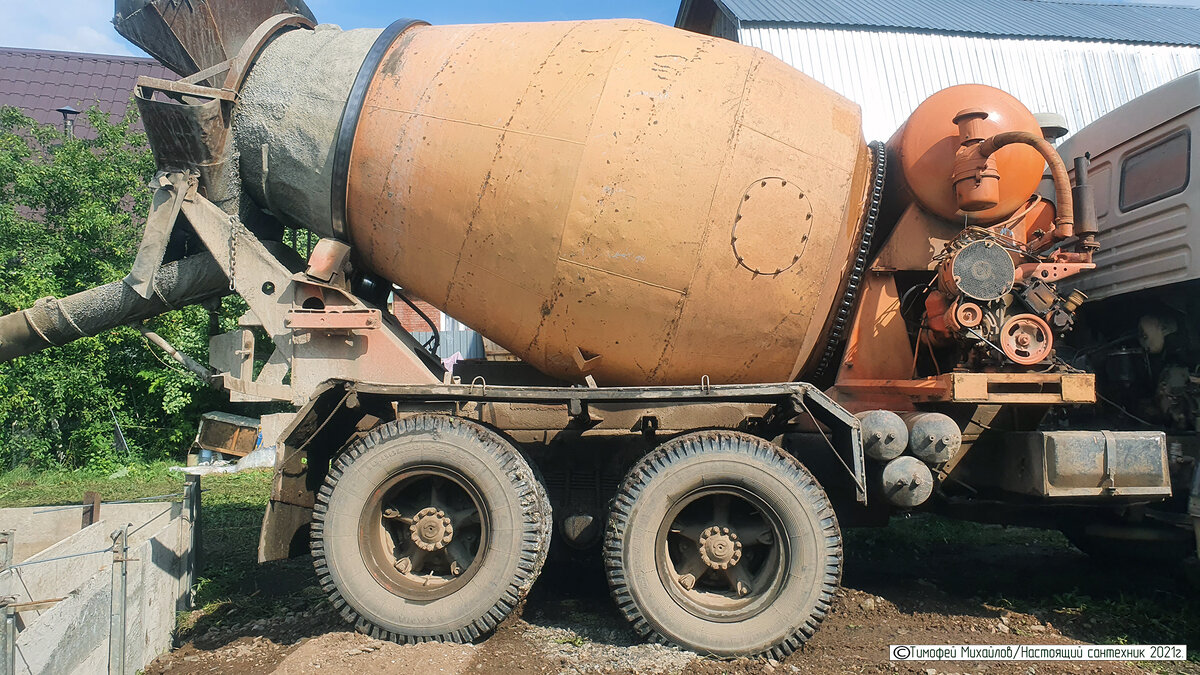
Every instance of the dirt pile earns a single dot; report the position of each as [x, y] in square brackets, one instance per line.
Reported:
[921, 581]
[572, 635]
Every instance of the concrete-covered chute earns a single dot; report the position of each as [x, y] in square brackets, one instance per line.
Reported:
[53, 323]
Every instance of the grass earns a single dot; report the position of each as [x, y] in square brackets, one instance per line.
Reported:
[23, 487]
[1035, 572]
[925, 533]
[231, 587]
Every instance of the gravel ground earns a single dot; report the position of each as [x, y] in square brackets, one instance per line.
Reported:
[1017, 589]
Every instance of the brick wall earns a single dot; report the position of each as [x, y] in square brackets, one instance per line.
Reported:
[411, 320]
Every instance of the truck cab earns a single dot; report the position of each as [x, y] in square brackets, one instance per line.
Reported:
[1140, 328]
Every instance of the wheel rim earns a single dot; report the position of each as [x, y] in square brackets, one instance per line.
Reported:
[423, 532]
[720, 553]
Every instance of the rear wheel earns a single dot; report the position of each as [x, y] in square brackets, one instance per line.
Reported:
[1122, 543]
[431, 527]
[723, 544]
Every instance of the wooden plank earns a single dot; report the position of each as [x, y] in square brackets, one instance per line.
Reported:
[91, 508]
[1079, 388]
[986, 388]
[969, 388]
[37, 606]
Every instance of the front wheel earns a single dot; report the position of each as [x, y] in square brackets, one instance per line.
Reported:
[430, 528]
[721, 543]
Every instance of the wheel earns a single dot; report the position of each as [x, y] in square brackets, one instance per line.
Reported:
[1121, 544]
[721, 543]
[429, 528]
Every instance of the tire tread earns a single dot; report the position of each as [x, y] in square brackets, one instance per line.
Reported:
[729, 442]
[522, 477]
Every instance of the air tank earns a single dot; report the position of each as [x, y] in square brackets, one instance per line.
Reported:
[884, 433]
[609, 198]
[906, 482]
[934, 438]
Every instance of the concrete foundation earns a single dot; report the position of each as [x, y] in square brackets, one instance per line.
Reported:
[99, 597]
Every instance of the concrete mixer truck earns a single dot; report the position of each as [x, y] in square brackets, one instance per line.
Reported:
[739, 326]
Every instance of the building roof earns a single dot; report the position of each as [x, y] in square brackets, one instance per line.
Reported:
[1066, 19]
[39, 82]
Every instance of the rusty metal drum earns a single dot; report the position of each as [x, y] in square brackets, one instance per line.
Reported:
[609, 198]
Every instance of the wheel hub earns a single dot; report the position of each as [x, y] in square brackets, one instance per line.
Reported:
[720, 548]
[431, 529]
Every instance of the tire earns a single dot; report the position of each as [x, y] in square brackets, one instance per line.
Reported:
[673, 507]
[430, 528]
[1119, 545]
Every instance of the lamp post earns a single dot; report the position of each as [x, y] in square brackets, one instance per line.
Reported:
[68, 114]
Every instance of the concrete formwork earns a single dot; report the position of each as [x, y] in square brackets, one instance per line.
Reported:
[98, 597]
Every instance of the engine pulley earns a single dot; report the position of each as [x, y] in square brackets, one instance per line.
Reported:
[1026, 339]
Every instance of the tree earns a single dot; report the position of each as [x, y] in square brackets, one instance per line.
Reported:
[71, 215]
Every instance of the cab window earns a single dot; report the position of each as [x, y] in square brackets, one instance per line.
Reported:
[1157, 172]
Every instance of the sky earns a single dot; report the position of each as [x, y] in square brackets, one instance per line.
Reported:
[85, 25]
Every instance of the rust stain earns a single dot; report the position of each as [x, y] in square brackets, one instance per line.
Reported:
[487, 180]
[712, 197]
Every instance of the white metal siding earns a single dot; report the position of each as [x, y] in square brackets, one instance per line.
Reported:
[889, 73]
[1140, 21]
[466, 343]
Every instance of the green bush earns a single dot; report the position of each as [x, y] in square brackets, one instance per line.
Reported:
[71, 216]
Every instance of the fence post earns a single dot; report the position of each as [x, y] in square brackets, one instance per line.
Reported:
[189, 537]
[91, 508]
[8, 642]
[8, 627]
[117, 615]
[6, 548]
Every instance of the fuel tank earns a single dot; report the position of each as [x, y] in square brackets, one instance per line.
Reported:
[609, 198]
